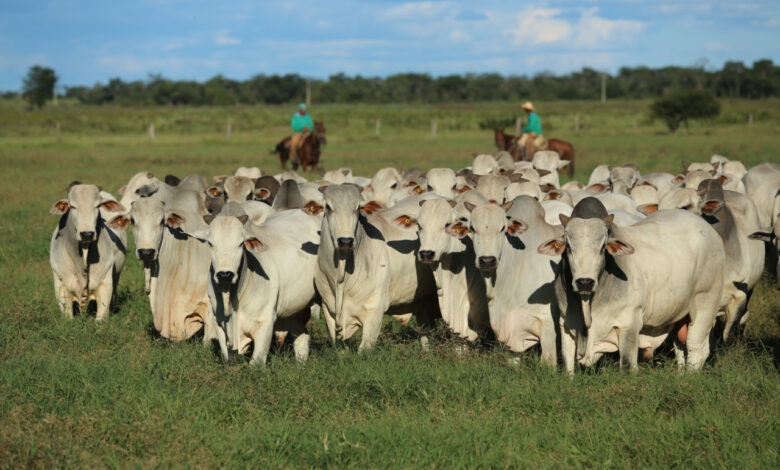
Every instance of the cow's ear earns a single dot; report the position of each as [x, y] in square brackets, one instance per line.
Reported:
[220, 178]
[469, 206]
[507, 205]
[463, 189]
[515, 227]
[252, 243]
[617, 247]
[312, 208]
[546, 187]
[543, 172]
[214, 191]
[552, 247]
[323, 188]
[723, 179]
[242, 218]
[563, 164]
[608, 220]
[597, 188]
[678, 179]
[172, 180]
[208, 218]
[119, 222]
[457, 230]
[712, 207]
[686, 165]
[417, 189]
[647, 209]
[174, 220]
[262, 194]
[60, 207]
[564, 219]
[405, 221]
[452, 202]
[553, 195]
[112, 206]
[763, 236]
[122, 189]
[371, 207]
[200, 235]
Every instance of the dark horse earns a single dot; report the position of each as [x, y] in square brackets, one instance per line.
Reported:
[508, 142]
[308, 154]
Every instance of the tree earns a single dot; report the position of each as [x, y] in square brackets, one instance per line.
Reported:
[678, 107]
[38, 85]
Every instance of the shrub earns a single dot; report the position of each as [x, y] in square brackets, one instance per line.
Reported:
[678, 107]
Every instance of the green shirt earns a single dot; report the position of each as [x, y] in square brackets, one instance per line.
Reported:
[299, 121]
[534, 124]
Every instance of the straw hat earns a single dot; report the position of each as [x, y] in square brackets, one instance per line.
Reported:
[529, 106]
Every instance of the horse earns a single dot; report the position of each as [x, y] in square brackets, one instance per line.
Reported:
[309, 152]
[508, 142]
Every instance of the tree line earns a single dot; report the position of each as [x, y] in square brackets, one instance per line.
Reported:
[734, 80]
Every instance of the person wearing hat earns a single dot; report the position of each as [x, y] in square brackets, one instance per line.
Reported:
[301, 124]
[532, 130]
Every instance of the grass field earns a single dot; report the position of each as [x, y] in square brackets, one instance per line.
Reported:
[77, 394]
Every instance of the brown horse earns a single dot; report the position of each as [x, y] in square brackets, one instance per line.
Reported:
[508, 142]
[308, 153]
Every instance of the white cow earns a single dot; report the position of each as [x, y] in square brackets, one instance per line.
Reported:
[261, 279]
[549, 161]
[442, 181]
[87, 252]
[447, 249]
[632, 286]
[368, 267]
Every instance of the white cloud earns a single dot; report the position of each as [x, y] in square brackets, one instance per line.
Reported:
[223, 38]
[546, 26]
[540, 26]
[418, 10]
[459, 35]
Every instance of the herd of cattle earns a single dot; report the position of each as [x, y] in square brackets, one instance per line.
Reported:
[499, 249]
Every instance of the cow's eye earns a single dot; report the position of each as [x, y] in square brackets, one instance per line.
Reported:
[430, 188]
[210, 244]
[132, 220]
[453, 187]
[394, 185]
[162, 222]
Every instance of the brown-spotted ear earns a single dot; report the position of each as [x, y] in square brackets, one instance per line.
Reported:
[371, 207]
[597, 188]
[119, 222]
[716, 165]
[647, 209]
[679, 178]
[214, 191]
[405, 221]
[552, 247]
[463, 189]
[60, 207]
[312, 208]
[417, 189]
[608, 220]
[686, 165]
[262, 194]
[469, 206]
[553, 195]
[763, 236]
[252, 243]
[546, 187]
[564, 219]
[208, 218]
[712, 207]
[174, 220]
[723, 179]
[646, 183]
[617, 247]
[515, 227]
[113, 206]
[457, 230]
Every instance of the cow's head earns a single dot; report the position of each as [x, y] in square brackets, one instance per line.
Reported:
[586, 241]
[84, 205]
[489, 226]
[342, 211]
[227, 240]
[438, 226]
[442, 181]
[148, 218]
[239, 188]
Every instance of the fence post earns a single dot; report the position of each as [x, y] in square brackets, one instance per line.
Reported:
[59, 136]
[229, 130]
[434, 127]
[378, 127]
[518, 125]
[577, 122]
[151, 132]
[750, 119]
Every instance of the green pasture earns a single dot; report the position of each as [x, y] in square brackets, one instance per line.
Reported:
[77, 394]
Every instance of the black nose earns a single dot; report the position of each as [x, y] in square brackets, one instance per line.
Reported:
[224, 277]
[87, 236]
[346, 243]
[426, 255]
[584, 284]
[487, 262]
[146, 254]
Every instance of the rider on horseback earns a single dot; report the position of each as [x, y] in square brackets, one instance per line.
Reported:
[532, 130]
[301, 124]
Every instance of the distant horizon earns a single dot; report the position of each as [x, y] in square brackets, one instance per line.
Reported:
[89, 41]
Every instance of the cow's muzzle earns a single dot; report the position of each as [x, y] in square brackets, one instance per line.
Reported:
[487, 263]
[225, 278]
[345, 243]
[146, 254]
[584, 285]
[87, 237]
[427, 256]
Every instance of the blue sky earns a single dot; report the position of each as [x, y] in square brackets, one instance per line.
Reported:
[90, 41]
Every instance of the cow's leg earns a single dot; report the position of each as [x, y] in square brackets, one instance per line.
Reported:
[103, 298]
[222, 340]
[147, 280]
[262, 335]
[330, 322]
[568, 349]
[371, 328]
[547, 343]
[628, 346]
[698, 341]
[64, 301]
[736, 305]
